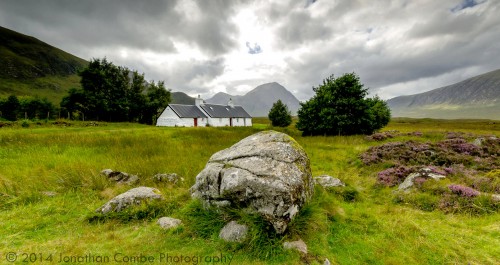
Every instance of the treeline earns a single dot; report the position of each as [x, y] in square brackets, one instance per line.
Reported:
[14, 108]
[109, 93]
[114, 93]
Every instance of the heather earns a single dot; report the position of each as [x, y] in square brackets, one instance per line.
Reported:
[472, 161]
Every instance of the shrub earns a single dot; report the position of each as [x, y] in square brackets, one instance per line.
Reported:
[25, 124]
[280, 115]
[339, 107]
[463, 191]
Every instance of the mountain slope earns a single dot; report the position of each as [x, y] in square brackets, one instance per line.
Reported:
[476, 97]
[259, 101]
[181, 98]
[32, 67]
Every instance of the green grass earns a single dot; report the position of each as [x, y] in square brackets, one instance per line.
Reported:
[360, 224]
[54, 88]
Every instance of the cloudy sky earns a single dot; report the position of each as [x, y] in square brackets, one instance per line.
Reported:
[397, 47]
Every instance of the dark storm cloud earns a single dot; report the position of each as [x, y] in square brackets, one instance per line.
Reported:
[149, 25]
[194, 45]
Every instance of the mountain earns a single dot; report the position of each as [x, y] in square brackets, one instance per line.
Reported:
[259, 101]
[476, 97]
[181, 98]
[32, 67]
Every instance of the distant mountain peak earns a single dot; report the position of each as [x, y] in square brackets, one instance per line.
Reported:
[259, 100]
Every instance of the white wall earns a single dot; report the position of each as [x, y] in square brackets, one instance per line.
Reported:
[218, 122]
[169, 118]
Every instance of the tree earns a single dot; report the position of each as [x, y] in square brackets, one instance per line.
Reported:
[280, 115]
[36, 108]
[339, 107]
[115, 93]
[11, 108]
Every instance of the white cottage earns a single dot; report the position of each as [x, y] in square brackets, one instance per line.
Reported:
[202, 114]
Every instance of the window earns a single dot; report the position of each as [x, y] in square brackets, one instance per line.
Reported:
[237, 119]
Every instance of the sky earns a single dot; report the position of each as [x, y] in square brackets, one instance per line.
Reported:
[201, 47]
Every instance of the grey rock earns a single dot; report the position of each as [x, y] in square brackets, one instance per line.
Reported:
[423, 173]
[327, 262]
[266, 173]
[132, 197]
[49, 193]
[120, 177]
[496, 197]
[328, 181]
[168, 177]
[233, 232]
[168, 222]
[479, 141]
[298, 245]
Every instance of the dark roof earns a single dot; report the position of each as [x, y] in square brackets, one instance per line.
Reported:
[224, 111]
[187, 111]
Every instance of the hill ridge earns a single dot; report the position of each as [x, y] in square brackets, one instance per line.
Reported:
[475, 97]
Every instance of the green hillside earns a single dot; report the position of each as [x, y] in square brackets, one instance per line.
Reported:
[31, 67]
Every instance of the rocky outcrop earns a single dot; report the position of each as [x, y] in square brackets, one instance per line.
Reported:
[120, 177]
[233, 232]
[132, 197]
[267, 173]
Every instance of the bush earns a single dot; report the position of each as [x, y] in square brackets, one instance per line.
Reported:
[25, 124]
[280, 115]
[340, 108]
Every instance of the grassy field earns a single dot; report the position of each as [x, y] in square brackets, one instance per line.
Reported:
[360, 224]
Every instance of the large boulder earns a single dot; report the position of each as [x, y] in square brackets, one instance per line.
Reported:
[267, 173]
[132, 197]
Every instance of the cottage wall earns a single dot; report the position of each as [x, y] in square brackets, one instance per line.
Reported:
[218, 122]
[248, 121]
[170, 118]
[238, 122]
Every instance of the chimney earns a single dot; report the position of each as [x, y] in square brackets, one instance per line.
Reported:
[230, 103]
[198, 101]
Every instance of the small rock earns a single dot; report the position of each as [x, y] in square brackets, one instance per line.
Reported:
[49, 193]
[496, 197]
[233, 232]
[423, 173]
[328, 181]
[298, 245]
[132, 197]
[120, 177]
[327, 262]
[170, 177]
[168, 222]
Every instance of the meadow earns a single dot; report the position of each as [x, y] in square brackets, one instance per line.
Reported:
[50, 186]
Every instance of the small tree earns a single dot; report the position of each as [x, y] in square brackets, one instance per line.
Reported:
[11, 108]
[280, 115]
[340, 108]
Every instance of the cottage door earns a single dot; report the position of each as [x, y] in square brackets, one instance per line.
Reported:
[195, 122]
[231, 122]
